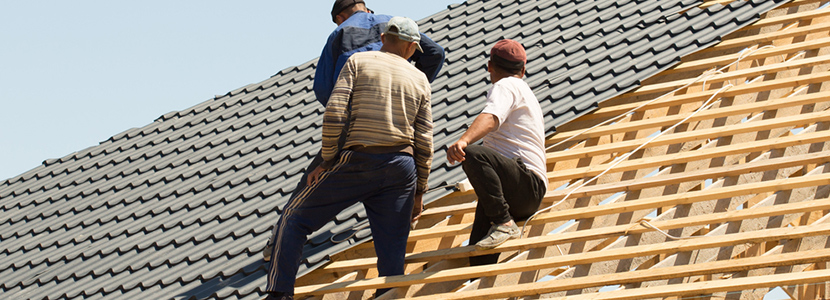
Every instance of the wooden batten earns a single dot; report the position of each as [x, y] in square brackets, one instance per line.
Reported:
[599, 233]
[731, 200]
[520, 266]
[720, 61]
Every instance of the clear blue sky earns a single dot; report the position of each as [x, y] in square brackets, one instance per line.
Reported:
[74, 73]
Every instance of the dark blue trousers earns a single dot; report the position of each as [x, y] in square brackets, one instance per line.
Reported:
[318, 159]
[384, 183]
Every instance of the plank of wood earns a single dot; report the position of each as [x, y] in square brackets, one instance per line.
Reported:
[800, 16]
[722, 60]
[553, 196]
[710, 133]
[432, 214]
[439, 287]
[688, 156]
[628, 229]
[685, 198]
[667, 200]
[449, 210]
[731, 170]
[709, 287]
[593, 234]
[795, 3]
[759, 39]
[666, 121]
[790, 246]
[615, 231]
[761, 86]
[751, 72]
[709, 268]
[581, 258]
[701, 208]
[609, 266]
[743, 250]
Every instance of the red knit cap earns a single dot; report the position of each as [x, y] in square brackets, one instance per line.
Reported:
[509, 50]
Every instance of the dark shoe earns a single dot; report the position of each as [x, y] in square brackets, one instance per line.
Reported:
[498, 235]
[271, 296]
[266, 253]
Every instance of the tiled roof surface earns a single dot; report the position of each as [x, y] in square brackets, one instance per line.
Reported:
[182, 207]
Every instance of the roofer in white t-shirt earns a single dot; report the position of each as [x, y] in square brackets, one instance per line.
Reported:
[508, 170]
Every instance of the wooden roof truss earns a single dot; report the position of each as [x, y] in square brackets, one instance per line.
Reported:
[730, 200]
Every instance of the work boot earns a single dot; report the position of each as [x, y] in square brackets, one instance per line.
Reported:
[499, 233]
[266, 253]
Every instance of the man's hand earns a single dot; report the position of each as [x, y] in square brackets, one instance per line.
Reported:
[456, 152]
[418, 207]
[314, 176]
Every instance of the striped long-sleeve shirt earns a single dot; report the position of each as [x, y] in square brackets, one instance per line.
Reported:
[390, 107]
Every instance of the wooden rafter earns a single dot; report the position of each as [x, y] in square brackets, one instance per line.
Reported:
[744, 183]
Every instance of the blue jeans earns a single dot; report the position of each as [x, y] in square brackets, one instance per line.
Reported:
[384, 183]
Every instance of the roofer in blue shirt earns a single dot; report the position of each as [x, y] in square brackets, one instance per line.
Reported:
[359, 30]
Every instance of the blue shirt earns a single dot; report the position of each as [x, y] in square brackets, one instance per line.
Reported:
[361, 32]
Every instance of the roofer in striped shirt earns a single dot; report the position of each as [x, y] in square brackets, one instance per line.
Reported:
[384, 102]
[358, 30]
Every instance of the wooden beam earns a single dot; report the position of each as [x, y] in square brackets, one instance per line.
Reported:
[593, 234]
[723, 60]
[751, 72]
[553, 196]
[581, 258]
[789, 18]
[682, 137]
[709, 287]
[650, 203]
[666, 121]
[684, 157]
[449, 210]
[685, 198]
[763, 86]
[703, 208]
[731, 170]
[709, 268]
[795, 3]
[769, 37]
[537, 242]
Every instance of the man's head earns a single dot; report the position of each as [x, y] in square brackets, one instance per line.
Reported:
[401, 37]
[507, 58]
[343, 9]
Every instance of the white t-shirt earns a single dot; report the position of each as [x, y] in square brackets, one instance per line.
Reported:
[521, 131]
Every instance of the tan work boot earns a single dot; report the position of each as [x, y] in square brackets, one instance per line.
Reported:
[499, 233]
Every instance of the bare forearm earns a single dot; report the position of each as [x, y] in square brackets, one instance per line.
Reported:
[482, 125]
